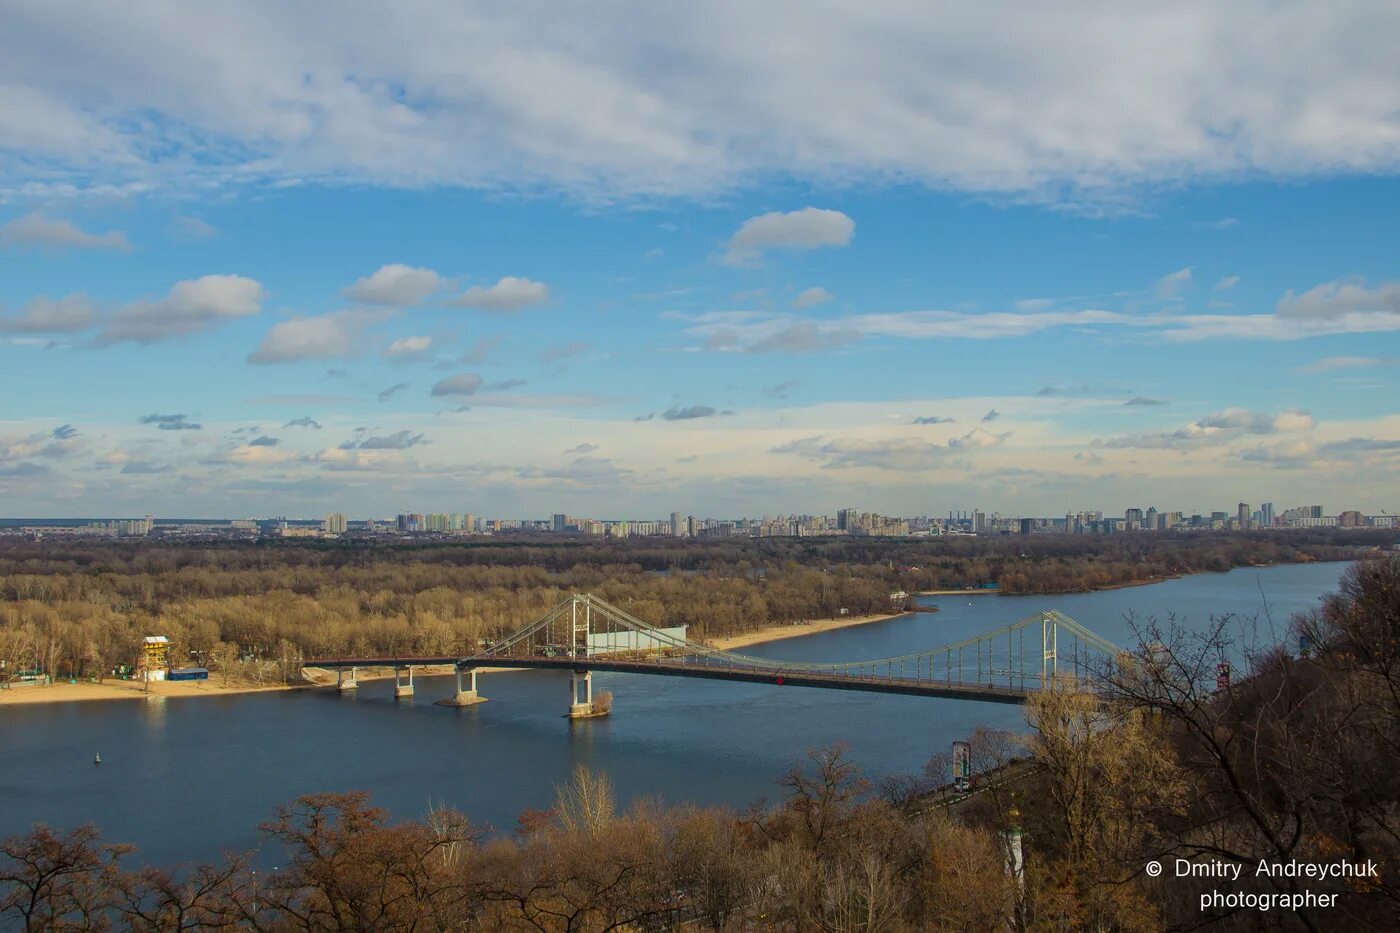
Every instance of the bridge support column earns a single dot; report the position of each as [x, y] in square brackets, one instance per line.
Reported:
[467, 697]
[342, 683]
[582, 708]
[402, 689]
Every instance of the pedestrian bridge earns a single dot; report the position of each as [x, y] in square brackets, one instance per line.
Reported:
[584, 634]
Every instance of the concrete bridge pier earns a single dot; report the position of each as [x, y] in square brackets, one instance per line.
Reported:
[402, 689]
[582, 708]
[343, 683]
[467, 697]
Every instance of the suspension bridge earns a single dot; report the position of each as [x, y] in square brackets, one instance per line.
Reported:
[584, 634]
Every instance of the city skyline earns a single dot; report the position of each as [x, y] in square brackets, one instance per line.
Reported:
[528, 263]
[681, 525]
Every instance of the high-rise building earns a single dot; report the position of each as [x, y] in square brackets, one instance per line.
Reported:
[1132, 520]
[676, 529]
[979, 522]
[692, 527]
[1151, 518]
[846, 519]
[1266, 515]
[335, 523]
[561, 521]
[1243, 517]
[469, 523]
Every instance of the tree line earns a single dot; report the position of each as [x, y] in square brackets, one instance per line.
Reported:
[252, 610]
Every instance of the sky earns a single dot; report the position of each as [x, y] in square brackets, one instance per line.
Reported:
[623, 259]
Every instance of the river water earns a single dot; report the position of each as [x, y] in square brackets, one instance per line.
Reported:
[184, 779]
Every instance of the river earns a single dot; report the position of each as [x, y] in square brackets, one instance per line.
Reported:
[184, 779]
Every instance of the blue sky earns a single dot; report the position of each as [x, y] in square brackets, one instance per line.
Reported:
[910, 261]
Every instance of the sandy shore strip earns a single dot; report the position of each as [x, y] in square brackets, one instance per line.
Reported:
[796, 630]
[113, 689]
[978, 592]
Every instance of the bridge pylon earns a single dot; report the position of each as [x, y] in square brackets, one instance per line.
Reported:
[583, 634]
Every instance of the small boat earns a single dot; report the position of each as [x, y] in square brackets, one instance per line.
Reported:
[97, 759]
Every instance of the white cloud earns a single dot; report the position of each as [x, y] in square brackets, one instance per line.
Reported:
[341, 458]
[815, 295]
[261, 454]
[696, 98]
[43, 315]
[841, 453]
[928, 325]
[409, 347]
[192, 306]
[1218, 428]
[510, 293]
[979, 437]
[396, 284]
[327, 336]
[1227, 283]
[808, 228]
[49, 233]
[1170, 286]
[1339, 300]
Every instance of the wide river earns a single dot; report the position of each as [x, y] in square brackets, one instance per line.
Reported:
[183, 779]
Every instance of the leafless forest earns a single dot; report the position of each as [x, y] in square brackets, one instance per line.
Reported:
[250, 611]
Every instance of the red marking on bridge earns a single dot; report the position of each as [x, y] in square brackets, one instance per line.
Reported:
[779, 681]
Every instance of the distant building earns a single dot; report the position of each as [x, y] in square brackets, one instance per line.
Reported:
[1351, 519]
[1243, 516]
[1266, 515]
[561, 521]
[335, 523]
[1132, 520]
[155, 650]
[676, 529]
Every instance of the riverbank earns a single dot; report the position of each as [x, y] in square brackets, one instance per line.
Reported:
[795, 630]
[63, 691]
[113, 689]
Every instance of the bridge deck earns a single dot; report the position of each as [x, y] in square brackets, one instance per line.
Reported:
[959, 690]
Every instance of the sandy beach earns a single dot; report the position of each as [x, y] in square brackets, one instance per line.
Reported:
[112, 689]
[795, 630]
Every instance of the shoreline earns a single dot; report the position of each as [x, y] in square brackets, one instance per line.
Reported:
[112, 689]
[781, 631]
